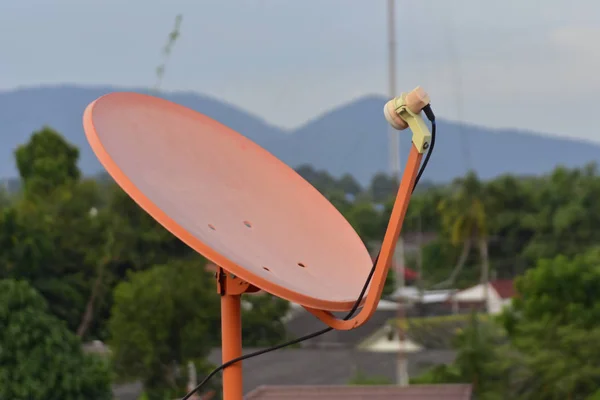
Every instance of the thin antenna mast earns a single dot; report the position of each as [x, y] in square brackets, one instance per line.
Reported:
[401, 368]
[393, 135]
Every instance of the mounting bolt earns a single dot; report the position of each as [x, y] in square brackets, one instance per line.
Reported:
[425, 146]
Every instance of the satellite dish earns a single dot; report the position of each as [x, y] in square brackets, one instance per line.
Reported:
[245, 210]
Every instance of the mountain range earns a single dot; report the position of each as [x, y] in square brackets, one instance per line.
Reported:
[352, 138]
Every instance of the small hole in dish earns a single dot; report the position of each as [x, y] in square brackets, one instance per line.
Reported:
[211, 226]
[301, 265]
[248, 224]
[266, 269]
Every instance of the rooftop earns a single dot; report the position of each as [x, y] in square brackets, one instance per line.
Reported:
[306, 366]
[303, 323]
[413, 294]
[504, 287]
[416, 392]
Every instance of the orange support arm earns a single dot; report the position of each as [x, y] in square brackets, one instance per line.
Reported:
[387, 251]
[401, 112]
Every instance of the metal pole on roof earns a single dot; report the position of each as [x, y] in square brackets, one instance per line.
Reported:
[420, 260]
[192, 380]
[401, 365]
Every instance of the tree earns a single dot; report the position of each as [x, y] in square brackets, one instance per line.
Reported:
[514, 203]
[163, 318]
[262, 320]
[49, 234]
[565, 217]
[340, 202]
[481, 360]
[464, 220]
[4, 198]
[321, 180]
[390, 283]
[365, 219]
[47, 161]
[561, 289]
[140, 242]
[382, 187]
[40, 358]
[349, 185]
[50, 241]
[128, 239]
[554, 324]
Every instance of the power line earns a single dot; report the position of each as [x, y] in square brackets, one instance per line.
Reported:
[458, 88]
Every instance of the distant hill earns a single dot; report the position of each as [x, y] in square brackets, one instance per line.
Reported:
[349, 139]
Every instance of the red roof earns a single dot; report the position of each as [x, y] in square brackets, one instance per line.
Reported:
[410, 274]
[504, 287]
[387, 392]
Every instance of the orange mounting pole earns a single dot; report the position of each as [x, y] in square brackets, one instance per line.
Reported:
[231, 289]
[387, 250]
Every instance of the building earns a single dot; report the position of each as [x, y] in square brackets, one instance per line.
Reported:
[426, 302]
[416, 392]
[332, 366]
[300, 322]
[500, 295]
[421, 334]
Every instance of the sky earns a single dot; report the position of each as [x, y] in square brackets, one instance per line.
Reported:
[511, 63]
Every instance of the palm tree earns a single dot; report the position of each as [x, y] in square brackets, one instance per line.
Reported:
[464, 219]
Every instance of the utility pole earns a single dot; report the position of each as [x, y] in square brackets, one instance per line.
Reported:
[192, 380]
[420, 263]
[394, 139]
[401, 366]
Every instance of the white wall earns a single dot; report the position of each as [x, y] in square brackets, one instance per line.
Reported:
[476, 293]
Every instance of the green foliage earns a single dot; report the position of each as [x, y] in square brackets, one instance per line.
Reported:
[262, 321]
[321, 180]
[349, 185]
[441, 373]
[107, 270]
[383, 187]
[4, 198]
[390, 283]
[554, 325]
[545, 347]
[463, 211]
[562, 290]
[436, 332]
[365, 220]
[48, 234]
[73, 240]
[169, 315]
[565, 217]
[47, 161]
[161, 319]
[39, 358]
[480, 360]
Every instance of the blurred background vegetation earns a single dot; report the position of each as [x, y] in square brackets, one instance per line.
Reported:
[80, 261]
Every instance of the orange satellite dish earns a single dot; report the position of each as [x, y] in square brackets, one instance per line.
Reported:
[245, 210]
